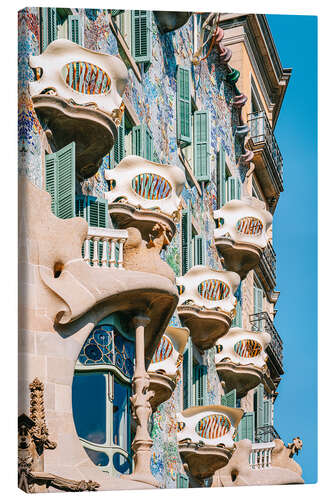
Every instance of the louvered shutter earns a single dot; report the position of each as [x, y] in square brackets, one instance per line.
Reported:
[187, 376]
[182, 481]
[148, 144]
[199, 251]
[142, 144]
[202, 145]
[137, 142]
[267, 417]
[229, 399]
[200, 381]
[221, 179]
[186, 240]
[246, 427]
[183, 105]
[75, 29]
[49, 26]
[238, 189]
[60, 181]
[260, 406]
[51, 179]
[118, 150]
[237, 321]
[141, 36]
[258, 296]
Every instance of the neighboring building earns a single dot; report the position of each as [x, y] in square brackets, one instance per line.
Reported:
[152, 134]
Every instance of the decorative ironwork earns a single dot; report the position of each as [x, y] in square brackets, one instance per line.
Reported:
[105, 345]
[262, 321]
[266, 434]
[261, 132]
[267, 264]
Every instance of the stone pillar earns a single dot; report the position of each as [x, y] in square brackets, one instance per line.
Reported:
[141, 408]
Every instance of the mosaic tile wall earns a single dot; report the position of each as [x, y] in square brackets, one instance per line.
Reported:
[154, 100]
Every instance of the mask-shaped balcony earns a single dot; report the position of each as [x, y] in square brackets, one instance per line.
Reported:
[164, 367]
[145, 194]
[77, 96]
[241, 233]
[241, 359]
[207, 303]
[170, 21]
[205, 436]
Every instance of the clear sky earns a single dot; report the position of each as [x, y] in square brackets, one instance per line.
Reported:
[295, 237]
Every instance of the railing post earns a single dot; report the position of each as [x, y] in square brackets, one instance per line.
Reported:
[95, 257]
[104, 255]
[86, 257]
[121, 254]
[113, 253]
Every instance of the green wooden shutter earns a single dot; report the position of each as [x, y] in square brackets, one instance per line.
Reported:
[258, 296]
[229, 399]
[186, 240]
[238, 189]
[200, 382]
[234, 188]
[60, 181]
[182, 481]
[75, 29]
[142, 144]
[141, 36]
[246, 427]
[97, 214]
[260, 405]
[183, 105]
[187, 375]
[202, 145]
[115, 12]
[221, 179]
[199, 251]
[267, 417]
[49, 26]
[118, 150]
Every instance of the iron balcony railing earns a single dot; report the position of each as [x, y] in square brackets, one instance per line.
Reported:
[266, 434]
[261, 321]
[268, 264]
[261, 132]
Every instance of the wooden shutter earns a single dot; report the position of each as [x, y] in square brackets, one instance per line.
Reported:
[199, 251]
[118, 150]
[202, 145]
[200, 381]
[221, 179]
[238, 189]
[94, 210]
[141, 36]
[142, 144]
[258, 296]
[229, 399]
[186, 240]
[267, 417]
[49, 26]
[234, 188]
[75, 29]
[260, 405]
[115, 12]
[182, 481]
[60, 181]
[187, 376]
[246, 427]
[183, 105]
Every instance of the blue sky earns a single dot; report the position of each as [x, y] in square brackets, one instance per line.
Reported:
[295, 237]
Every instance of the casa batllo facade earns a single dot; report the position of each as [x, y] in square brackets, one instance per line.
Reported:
[149, 175]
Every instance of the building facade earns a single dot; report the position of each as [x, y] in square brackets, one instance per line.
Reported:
[149, 177]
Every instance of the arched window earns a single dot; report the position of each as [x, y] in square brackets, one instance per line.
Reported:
[101, 392]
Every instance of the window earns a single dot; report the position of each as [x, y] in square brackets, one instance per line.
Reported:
[48, 26]
[184, 112]
[234, 188]
[60, 181]
[199, 250]
[182, 481]
[237, 321]
[59, 23]
[194, 378]
[142, 142]
[75, 33]
[201, 145]
[258, 298]
[229, 399]
[256, 191]
[186, 239]
[187, 376]
[200, 384]
[141, 36]
[104, 370]
[246, 427]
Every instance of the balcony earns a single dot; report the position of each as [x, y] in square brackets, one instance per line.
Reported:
[266, 434]
[241, 359]
[104, 247]
[261, 456]
[77, 97]
[262, 321]
[164, 367]
[267, 156]
[207, 303]
[241, 234]
[266, 269]
[145, 194]
[205, 436]
[171, 21]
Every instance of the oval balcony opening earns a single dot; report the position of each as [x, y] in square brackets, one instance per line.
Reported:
[213, 290]
[151, 186]
[250, 226]
[213, 426]
[247, 348]
[86, 78]
[163, 351]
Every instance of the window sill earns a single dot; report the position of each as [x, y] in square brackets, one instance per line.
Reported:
[189, 173]
[124, 46]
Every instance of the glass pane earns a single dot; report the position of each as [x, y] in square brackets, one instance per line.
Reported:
[121, 411]
[121, 463]
[98, 457]
[89, 406]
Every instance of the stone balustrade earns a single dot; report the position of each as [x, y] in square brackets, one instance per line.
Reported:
[104, 247]
[261, 456]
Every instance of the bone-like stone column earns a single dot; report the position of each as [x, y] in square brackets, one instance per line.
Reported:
[141, 408]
